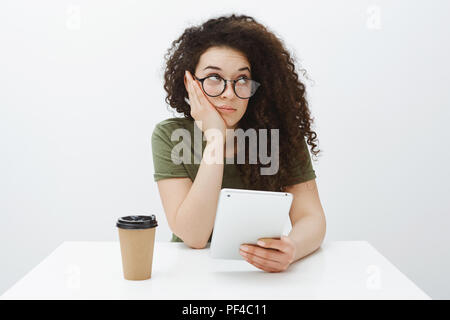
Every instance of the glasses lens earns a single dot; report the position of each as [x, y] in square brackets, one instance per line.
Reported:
[245, 88]
[213, 85]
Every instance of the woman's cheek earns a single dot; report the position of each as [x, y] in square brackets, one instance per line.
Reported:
[242, 111]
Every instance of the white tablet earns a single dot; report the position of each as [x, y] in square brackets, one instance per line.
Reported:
[244, 216]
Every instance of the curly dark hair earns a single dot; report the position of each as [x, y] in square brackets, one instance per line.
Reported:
[279, 104]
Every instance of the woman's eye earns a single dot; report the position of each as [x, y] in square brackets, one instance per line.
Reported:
[214, 77]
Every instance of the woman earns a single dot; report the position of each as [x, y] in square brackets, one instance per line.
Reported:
[232, 73]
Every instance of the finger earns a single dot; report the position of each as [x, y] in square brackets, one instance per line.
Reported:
[262, 267]
[192, 102]
[201, 96]
[196, 93]
[189, 82]
[263, 261]
[193, 96]
[267, 254]
[194, 84]
[273, 243]
[199, 93]
[188, 88]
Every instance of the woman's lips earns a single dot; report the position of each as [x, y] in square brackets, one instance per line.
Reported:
[225, 109]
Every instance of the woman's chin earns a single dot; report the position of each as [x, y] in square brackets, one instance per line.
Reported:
[230, 123]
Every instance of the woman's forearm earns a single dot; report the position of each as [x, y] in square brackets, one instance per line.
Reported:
[308, 234]
[195, 217]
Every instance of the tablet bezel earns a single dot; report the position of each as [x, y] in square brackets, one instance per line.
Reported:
[225, 245]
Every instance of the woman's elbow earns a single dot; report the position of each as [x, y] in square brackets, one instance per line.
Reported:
[193, 243]
[323, 228]
[196, 245]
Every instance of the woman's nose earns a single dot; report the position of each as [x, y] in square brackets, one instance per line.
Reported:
[229, 92]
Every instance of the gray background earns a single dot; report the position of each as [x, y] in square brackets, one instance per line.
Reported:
[81, 90]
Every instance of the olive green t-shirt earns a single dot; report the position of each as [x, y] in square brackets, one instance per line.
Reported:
[190, 139]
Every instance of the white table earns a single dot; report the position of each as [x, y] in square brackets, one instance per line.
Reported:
[93, 270]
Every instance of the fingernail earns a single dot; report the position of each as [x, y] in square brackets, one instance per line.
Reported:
[261, 243]
[244, 248]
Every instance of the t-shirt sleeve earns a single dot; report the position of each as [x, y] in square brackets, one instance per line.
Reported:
[302, 170]
[162, 147]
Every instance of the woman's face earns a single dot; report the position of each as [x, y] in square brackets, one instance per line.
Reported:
[229, 64]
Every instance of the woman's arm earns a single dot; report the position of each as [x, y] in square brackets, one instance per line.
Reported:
[307, 218]
[306, 236]
[191, 207]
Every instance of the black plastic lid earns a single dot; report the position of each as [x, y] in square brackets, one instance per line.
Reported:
[137, 222]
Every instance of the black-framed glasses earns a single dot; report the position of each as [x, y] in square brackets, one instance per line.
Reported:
[215, 85]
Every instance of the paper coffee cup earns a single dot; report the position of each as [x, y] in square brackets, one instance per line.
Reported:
[137, 240]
